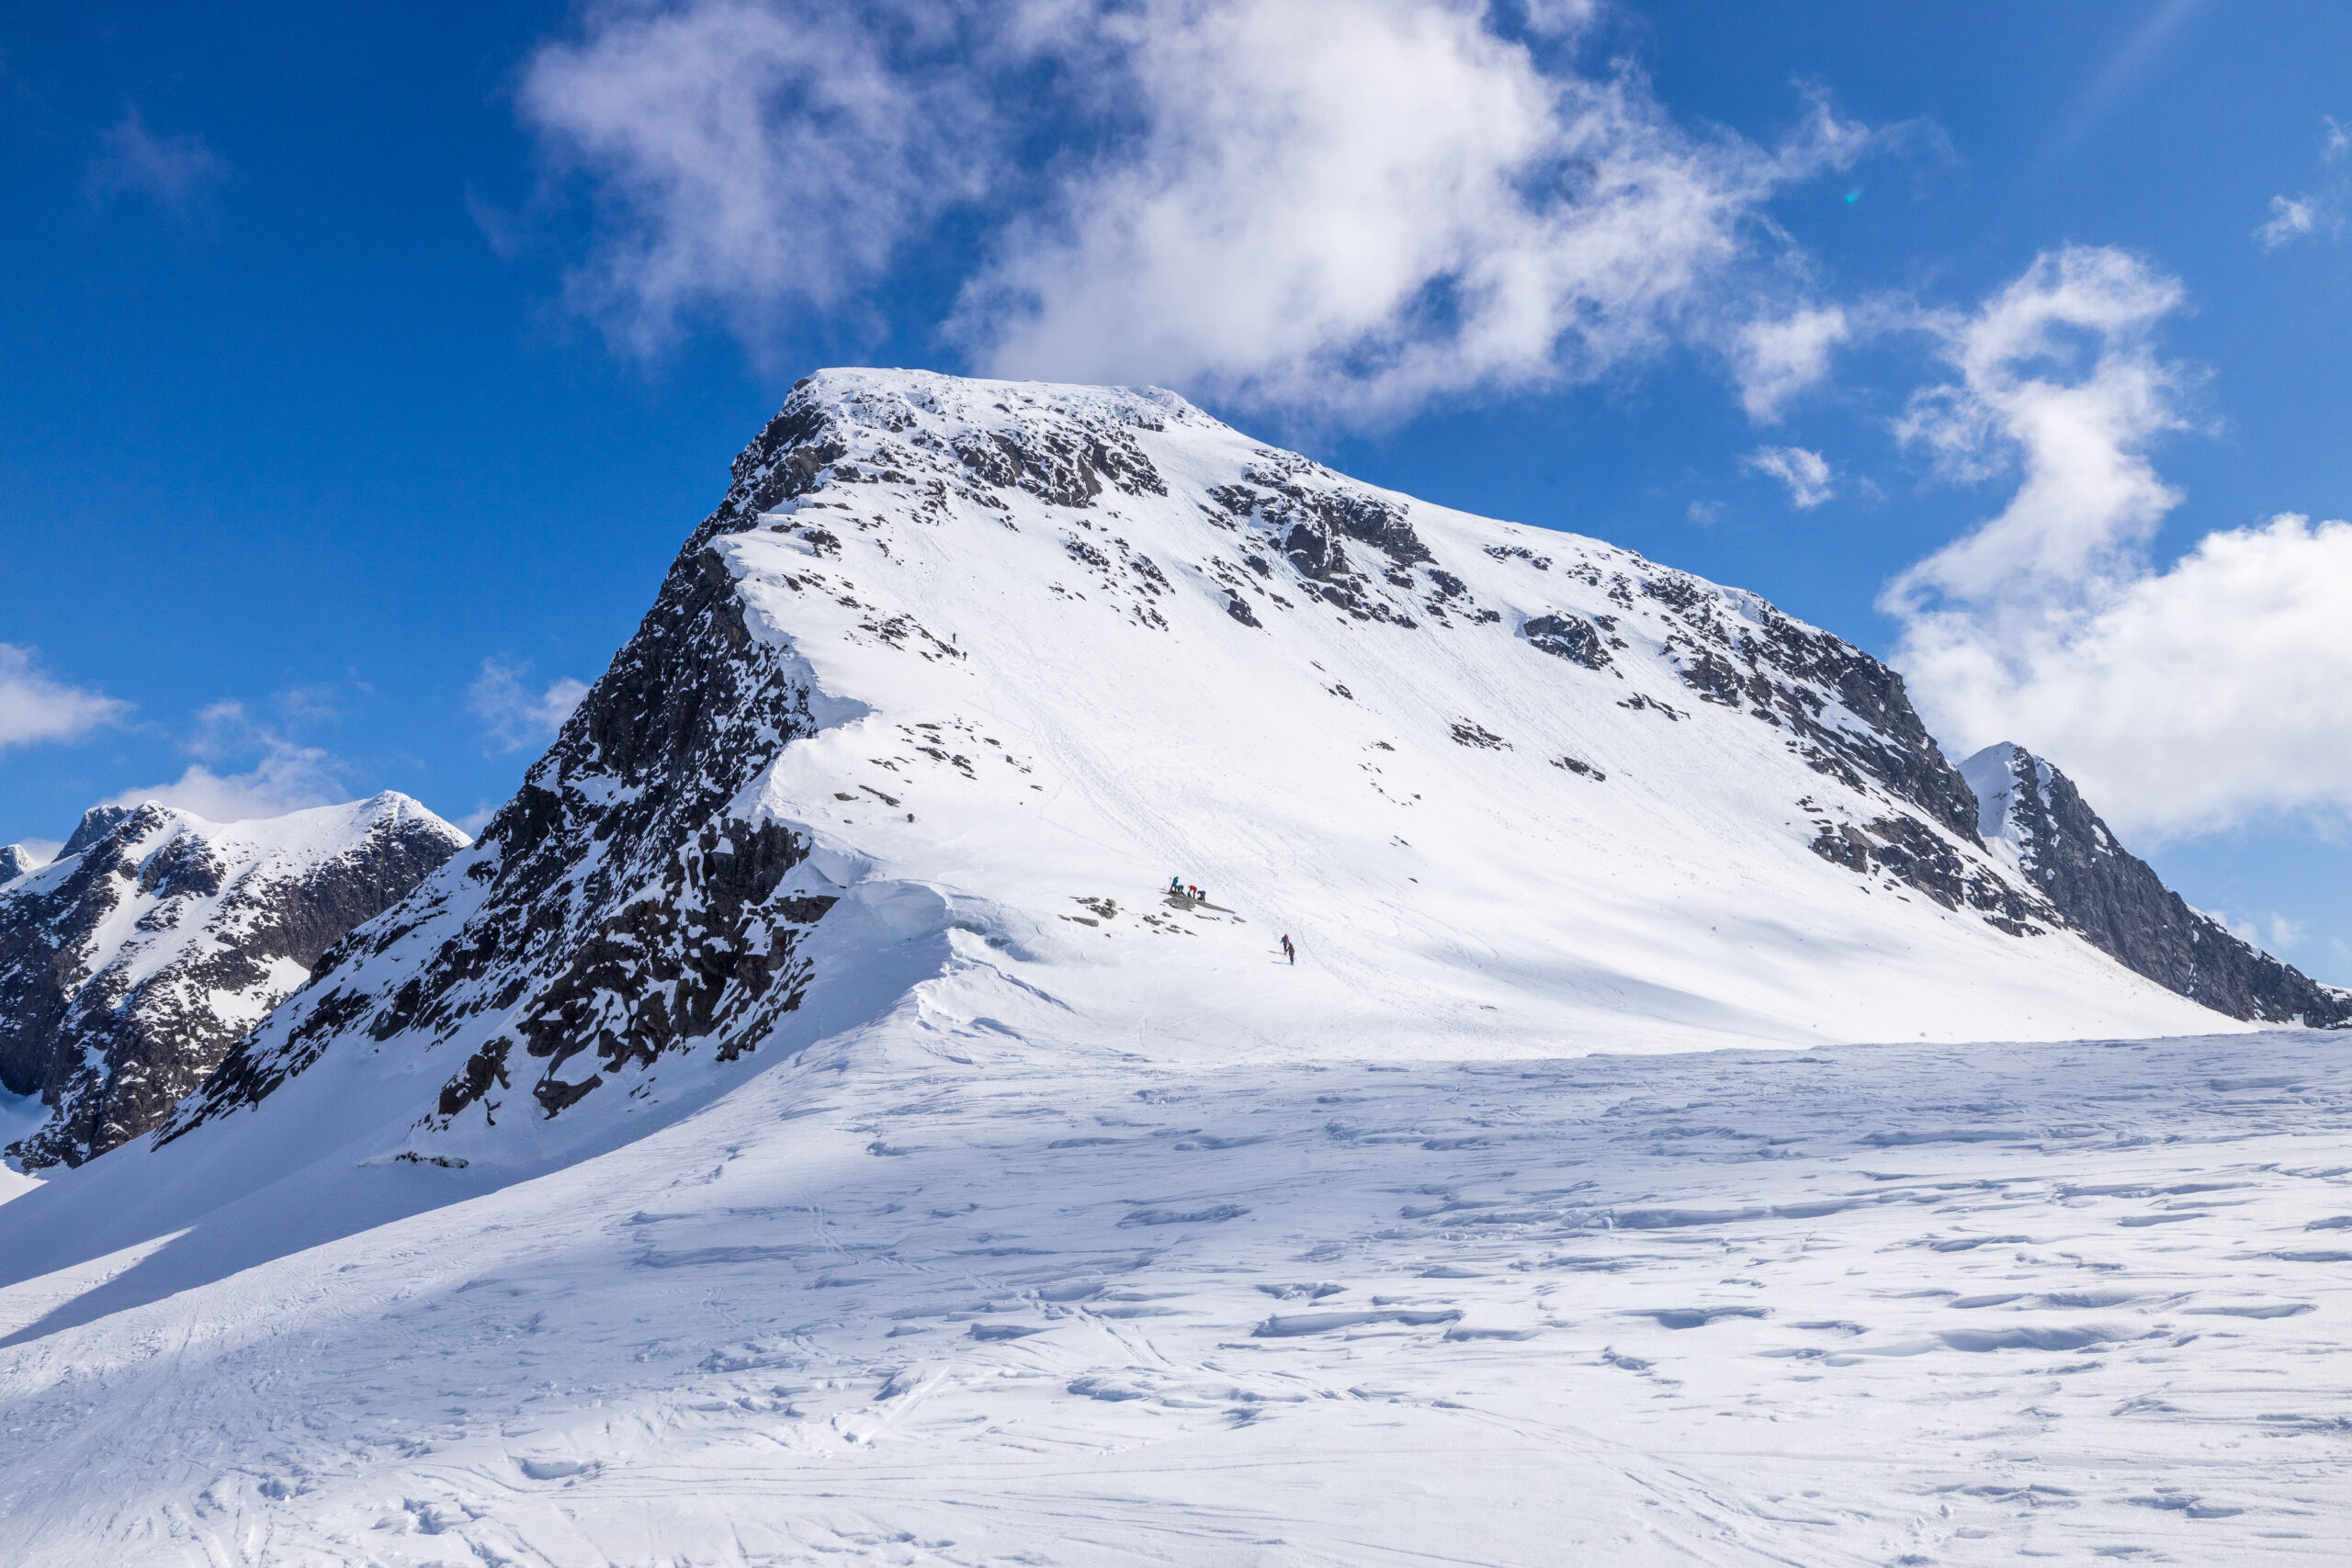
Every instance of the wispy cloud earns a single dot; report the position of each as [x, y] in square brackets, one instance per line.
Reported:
[284, 776]
[1775, 360]
[1807, 473]
[753, 159]
[2290, 219]
[1341, 206]
[176, 172]
[2183, 698]
[40, 851]
[35, 705]
[512, 716]
[1360, 205]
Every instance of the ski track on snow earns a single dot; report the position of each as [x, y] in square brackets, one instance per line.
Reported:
[1856, 1304]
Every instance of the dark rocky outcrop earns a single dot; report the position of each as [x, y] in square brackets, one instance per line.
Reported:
[131, 964]
[1571, 637]
[2034, 816]
[1847, 713]
[615, 908]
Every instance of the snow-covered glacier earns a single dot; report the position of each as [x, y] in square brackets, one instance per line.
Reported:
[806, 1126]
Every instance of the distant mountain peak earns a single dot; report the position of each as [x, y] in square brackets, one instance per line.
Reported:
[131, 964]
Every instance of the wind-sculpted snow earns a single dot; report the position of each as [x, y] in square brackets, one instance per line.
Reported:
[2033, 817]
[991, 1292]
[132, 964]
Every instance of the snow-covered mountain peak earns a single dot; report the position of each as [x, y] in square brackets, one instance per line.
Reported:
[958, 677]
[131, 963]
[1991, 778]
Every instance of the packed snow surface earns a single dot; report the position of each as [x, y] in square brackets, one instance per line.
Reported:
[1556, 1205]
[1053, 1303]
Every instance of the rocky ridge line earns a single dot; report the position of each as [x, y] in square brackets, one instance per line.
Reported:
[2033, 815]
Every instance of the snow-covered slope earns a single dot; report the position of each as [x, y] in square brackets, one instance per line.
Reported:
[129, 964]
[802, 1127]
[2033, 819]
[16, 861]
[962, 672]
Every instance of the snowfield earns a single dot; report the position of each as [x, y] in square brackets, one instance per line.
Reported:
[1847, 1305]
[802, 1129]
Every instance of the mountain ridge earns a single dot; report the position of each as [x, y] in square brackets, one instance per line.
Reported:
[955, 572]
[2034, 818]
[131, 962]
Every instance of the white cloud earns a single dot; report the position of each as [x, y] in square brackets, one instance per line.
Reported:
[511, 716]
[35, 706]
[285, 777]
[1356, 205]
[1342, 205]
[1807, 473]
[1559, 19]
[1776, 360]
[2089, 495]
[753, 158]
[2290, 219]
[2182, 699]
[176, 171]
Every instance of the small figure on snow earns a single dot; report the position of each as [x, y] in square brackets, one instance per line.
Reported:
[1288, 950]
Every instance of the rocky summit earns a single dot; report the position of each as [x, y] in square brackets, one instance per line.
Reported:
[131, 962]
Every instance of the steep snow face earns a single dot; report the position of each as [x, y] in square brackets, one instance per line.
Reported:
[961, 674]
[2033, 819]
[129, 964]
[1992, 777]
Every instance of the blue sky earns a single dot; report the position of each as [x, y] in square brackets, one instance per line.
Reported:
[361, 367]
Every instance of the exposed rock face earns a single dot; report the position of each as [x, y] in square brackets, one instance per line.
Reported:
[2033, 816]
[131, 964]
[618, 908]
[16, 861]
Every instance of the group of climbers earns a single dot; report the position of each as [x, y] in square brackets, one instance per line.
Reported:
[1179, 888]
